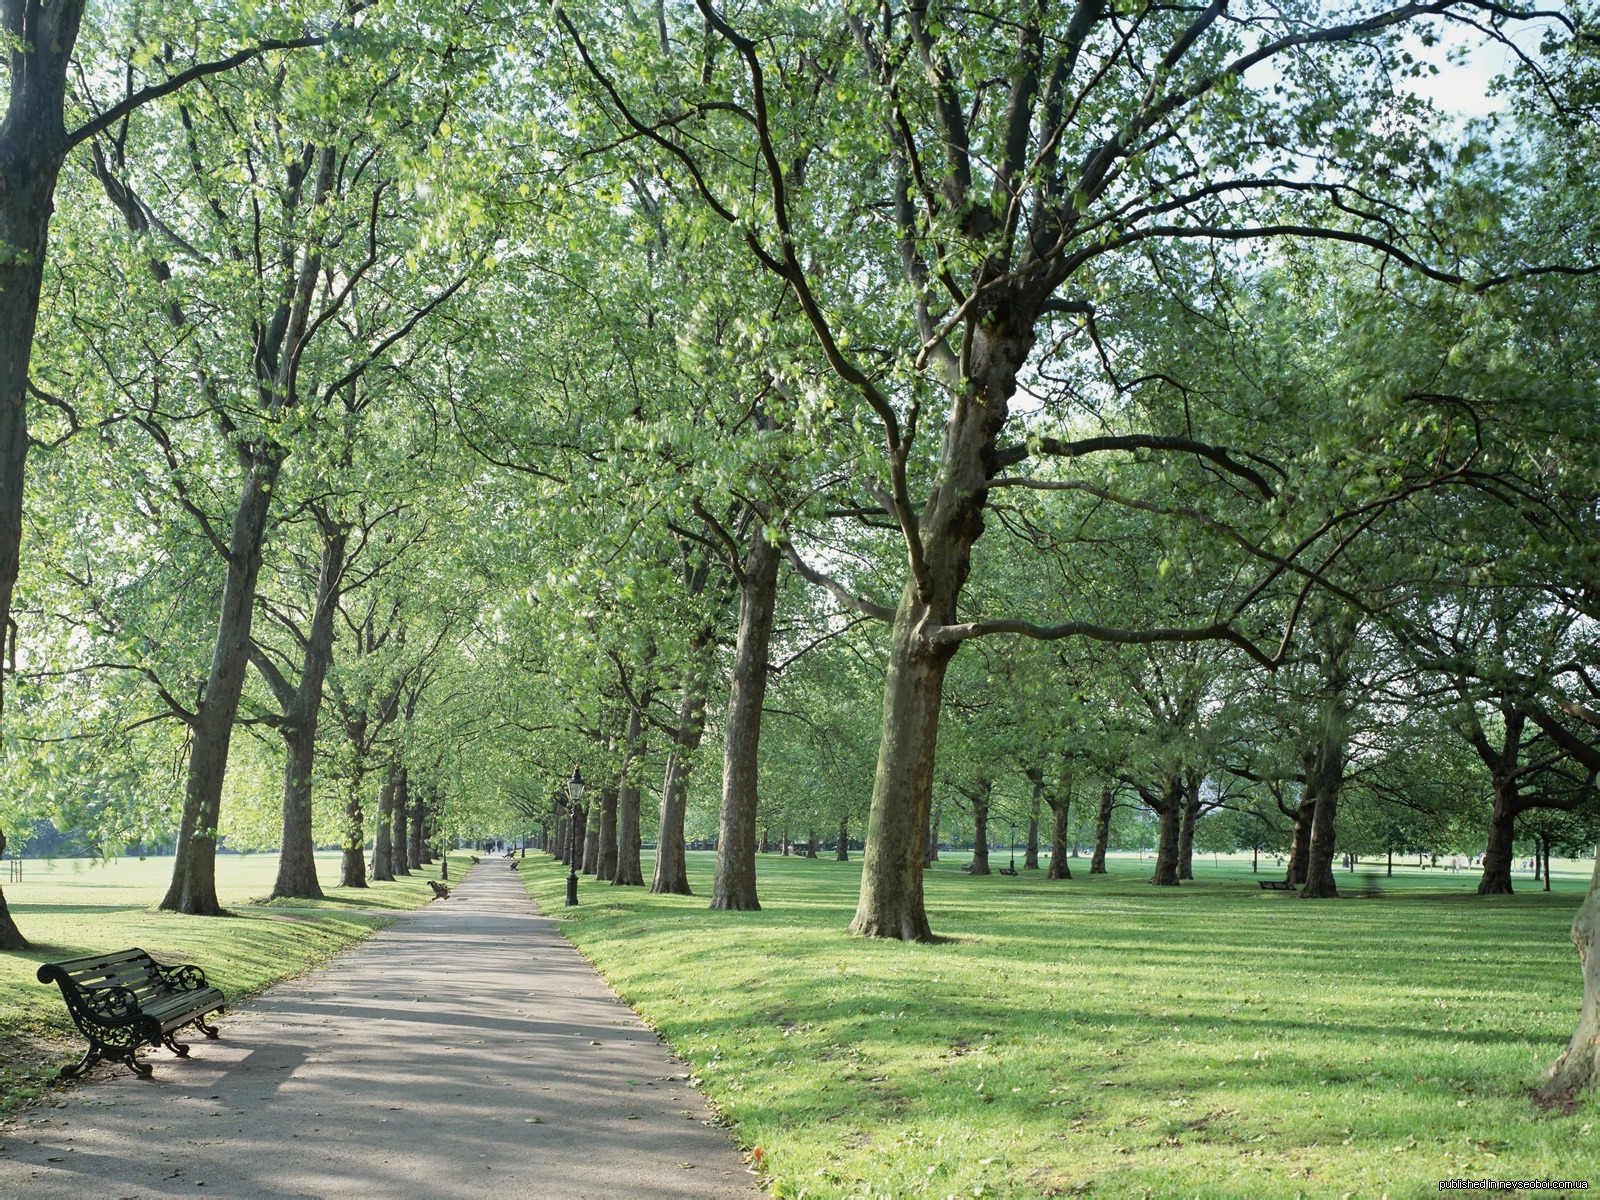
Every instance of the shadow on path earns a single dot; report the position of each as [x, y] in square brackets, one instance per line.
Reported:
[466, 1047]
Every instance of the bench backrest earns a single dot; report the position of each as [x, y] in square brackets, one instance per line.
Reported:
[131, 969]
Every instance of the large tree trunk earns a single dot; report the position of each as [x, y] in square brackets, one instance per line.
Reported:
[891, 900]
[1102, 828]
[813, 843]
[382, 844]
[1191, 814]
[1060, 810]
[605, 868]
[419, 853]
[297, 865]
[629, 872]
[1300, 840]
[10, 936]
[980, 829]
[935, 818]
[1326, 782]
[1030, 853]
[734, 886]
[33, 145]
[560, 850]
[194, 884]
[1325, 777]
[429, 801]
[1169, 808]
[353, 867]
[1497, 855]
[1000, 339]
[1578, 1068]
[671, 874]
[1320, 884]
[1059, 868]
[843, 853]
[400, 862]
[590, 833]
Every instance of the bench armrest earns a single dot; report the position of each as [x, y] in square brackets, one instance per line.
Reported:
[111, 1005]
[183, 978]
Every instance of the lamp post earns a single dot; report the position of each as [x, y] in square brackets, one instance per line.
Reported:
[574, 794]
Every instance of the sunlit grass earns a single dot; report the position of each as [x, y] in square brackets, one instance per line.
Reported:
[70, 907]
[1103, 1037]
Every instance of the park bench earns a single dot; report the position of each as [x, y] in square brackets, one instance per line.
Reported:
[126, 1000]
[1277, 885]
[440, 891]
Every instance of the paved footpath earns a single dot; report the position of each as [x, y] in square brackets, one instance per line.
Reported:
[467, 1050]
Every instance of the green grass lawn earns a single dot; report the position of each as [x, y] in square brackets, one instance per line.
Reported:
[1107, 1038]
[69, 907]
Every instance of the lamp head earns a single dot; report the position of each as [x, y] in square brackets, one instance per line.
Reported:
[575, 786]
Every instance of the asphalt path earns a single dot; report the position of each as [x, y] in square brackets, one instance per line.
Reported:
[466, 1050]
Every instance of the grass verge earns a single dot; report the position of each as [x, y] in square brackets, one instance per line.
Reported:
[1102, 1037]
[72, 907]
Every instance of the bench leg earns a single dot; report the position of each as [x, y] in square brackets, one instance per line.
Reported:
[181, 1049]
[142, 1069]
[210, 1031]
[84, 1064]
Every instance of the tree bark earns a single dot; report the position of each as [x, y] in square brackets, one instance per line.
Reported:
[1325, 775]
[813, 843]
[33, 145]
[1169, 808]
[606, 852]
[671, 874]
[10, 936]
[194, 883]
[980, 829]
[382, 845]
[1578, 1069]
[843, 853]
[1059, 867]
[1191, 814]
[595, 825]
[628, 871]
[734, 885]
[353, 868]
[891, 901]
[302, 713]
[1499, 851]
[1030, 853]
[297, 863]
[1102, 828]
[401, 862]
[1300, 840]
[430, 828]
[935, 818]
[1060, 810]
[419, 853]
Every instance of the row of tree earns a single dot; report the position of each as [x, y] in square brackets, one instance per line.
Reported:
[437, 398]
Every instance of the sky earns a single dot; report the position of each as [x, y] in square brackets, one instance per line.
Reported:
[1462, 88]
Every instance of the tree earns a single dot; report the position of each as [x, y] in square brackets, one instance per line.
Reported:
[997, 225]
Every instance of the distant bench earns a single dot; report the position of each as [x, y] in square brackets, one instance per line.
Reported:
[1277, 885]
[126, 1000]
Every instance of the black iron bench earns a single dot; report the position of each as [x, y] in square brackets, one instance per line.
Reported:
[126, 1000]
[1277, 885]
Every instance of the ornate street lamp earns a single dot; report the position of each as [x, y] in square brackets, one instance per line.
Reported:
[574, 794]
